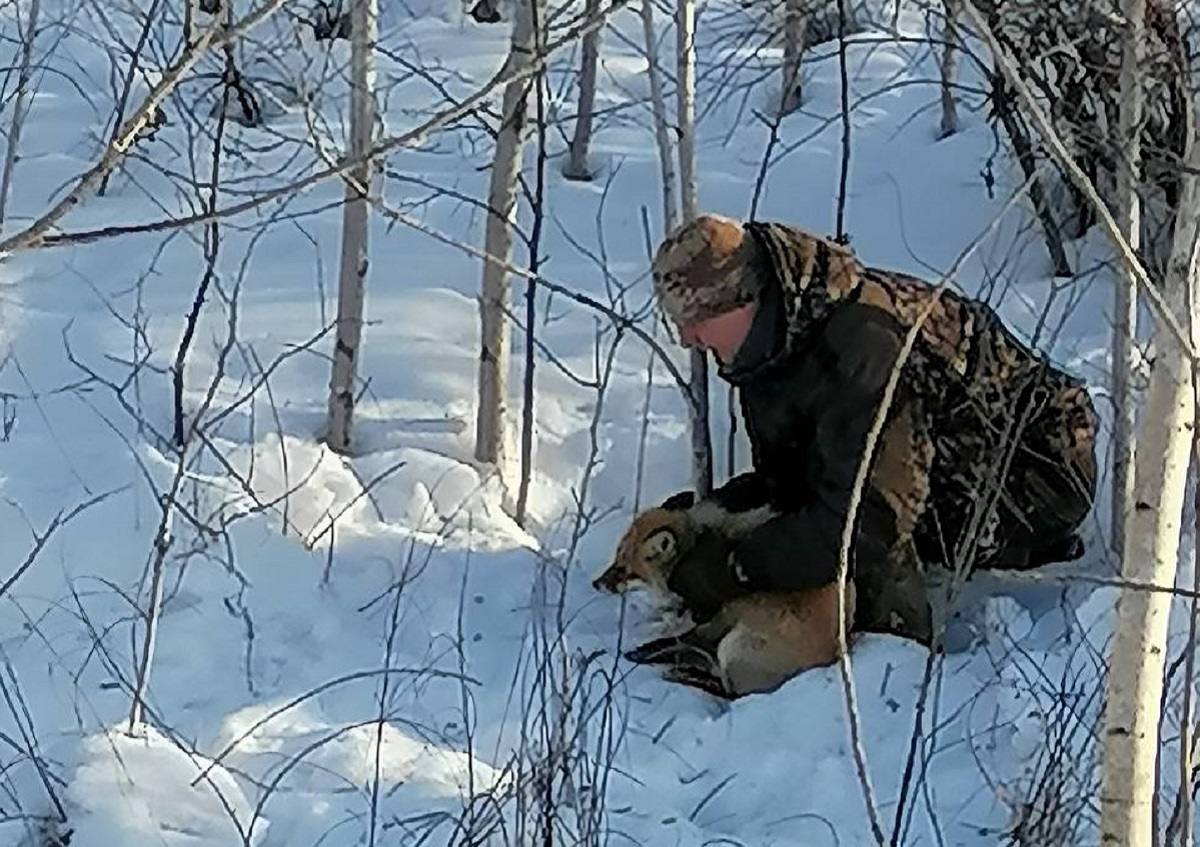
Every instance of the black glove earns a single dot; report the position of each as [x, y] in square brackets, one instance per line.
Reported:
[708, 577]
[679, 501]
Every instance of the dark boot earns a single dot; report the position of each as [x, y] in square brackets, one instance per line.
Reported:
[892, 598]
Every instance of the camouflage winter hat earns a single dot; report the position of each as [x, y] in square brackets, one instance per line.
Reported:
[706, 268]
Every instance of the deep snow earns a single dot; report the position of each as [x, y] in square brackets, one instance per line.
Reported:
[251, 623]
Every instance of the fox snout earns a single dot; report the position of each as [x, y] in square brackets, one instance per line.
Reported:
[611, 580]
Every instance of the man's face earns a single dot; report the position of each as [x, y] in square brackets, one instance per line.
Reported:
[722, 334]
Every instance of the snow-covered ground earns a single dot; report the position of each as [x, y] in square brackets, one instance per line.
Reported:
[412, 663]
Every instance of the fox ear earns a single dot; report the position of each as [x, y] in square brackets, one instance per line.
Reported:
[660, 546]
[680, 501]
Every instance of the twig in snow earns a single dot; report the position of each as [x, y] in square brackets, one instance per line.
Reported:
[312, 542]
[57, 522]
[24, 722]
[713, 792]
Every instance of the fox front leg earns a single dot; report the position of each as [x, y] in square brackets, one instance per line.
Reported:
[698, 644]
[673, 649]
[697, 678]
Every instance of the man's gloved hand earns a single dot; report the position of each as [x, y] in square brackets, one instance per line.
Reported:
[708, 577]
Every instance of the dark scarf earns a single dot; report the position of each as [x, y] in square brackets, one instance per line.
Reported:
[765, 342]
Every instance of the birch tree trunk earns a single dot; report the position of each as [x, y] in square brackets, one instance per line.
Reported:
[949, 68]
[1125, 300]
[685, 69]
[658, 105]
[20, 108]
[685, 33]
[364, 24]
[1150, 555]
[794, 28]
[495, 333]
[528, 388]
[577, 158]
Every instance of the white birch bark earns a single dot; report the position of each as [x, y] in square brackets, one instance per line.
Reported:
[495, 333]
[1125, 297]
[658, 106]
[949, 69]
[20, 107]
[685, 24]
[364, 23]
[794, 27]
[1151, 551]
[685, 69]
[577, 158]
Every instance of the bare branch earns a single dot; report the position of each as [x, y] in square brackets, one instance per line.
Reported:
[212, 38]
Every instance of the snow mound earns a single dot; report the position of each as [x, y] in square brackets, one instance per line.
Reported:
[404, 492]
[137, 790]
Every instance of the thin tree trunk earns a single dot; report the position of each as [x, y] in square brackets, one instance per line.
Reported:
[364, 25]
[685, 33]
[1135, 676]
[535, 245]
[949, 68]
[577, 159]
[640, 463]
[1124, 360]
[702, 461]
[163, 539]
[659, 107]
[495, 332]
[20, 108]
[1023, 147]
[137, 709]
[685, 47]
[1135, 667]
[794, 28]
[1180, 827]
[844, 176]
[671, 212]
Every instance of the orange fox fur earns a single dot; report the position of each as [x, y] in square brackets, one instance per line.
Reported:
[755, 642]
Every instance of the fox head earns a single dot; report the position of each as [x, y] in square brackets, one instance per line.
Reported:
[648, 551]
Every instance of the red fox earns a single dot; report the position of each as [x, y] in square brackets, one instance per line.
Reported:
[754, 643]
